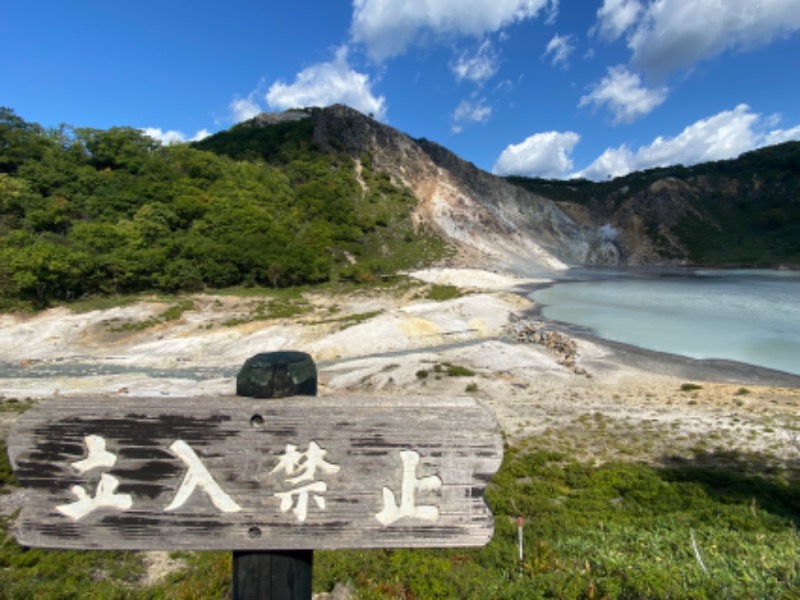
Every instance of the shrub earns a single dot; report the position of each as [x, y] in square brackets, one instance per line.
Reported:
[458, 371]
[440, 293]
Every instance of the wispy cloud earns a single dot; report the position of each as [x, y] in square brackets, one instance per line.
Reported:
[478, 67]
[560, 47]
[615, 17]
[470, 111]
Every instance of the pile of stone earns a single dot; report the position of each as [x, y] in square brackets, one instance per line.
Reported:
[525, 331]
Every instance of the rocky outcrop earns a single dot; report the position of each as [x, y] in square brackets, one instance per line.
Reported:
[495, 223]
[538, 332]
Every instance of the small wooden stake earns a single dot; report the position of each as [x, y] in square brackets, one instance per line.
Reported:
[276, 575]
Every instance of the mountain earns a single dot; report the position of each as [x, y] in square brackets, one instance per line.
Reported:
[324, 194]
[740, 212]
[491, 222]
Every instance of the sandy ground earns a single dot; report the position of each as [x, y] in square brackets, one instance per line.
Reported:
[628, 405]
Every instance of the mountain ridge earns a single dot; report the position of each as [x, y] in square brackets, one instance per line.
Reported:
[737, 212]
[491, 221]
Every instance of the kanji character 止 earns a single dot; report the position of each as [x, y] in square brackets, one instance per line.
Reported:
[391, 511]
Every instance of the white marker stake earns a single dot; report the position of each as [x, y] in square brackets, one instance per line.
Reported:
[519, 535]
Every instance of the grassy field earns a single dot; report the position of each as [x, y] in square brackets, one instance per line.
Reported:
[618, 530]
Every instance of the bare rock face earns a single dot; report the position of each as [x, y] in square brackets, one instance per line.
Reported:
[281, 117]
[495, 223]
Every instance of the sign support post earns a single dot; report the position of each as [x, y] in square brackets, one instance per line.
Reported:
[275, 575]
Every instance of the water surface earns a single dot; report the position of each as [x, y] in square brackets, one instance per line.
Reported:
[750, 316]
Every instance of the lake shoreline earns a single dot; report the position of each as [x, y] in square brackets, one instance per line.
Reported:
[688, 342]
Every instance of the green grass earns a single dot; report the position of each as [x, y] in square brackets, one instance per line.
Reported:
[355, 319]
[275, 308]
[617, 531]
[458, 371]
[621, 530]
[690, 387]
[441, 293]
[98, 302]
[452, 370]
[172, 313]
[13, 405]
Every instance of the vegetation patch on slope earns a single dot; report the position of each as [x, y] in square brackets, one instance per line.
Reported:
[87, 211]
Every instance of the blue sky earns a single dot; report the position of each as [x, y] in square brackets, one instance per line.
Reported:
[552, 88]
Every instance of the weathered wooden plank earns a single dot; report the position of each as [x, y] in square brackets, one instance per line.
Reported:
[238, 473]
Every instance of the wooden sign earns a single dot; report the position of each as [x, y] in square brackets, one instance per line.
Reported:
[239, 473]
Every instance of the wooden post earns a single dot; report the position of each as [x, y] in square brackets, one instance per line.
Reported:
[275, 575]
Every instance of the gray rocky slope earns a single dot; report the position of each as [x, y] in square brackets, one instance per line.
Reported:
[494, 223]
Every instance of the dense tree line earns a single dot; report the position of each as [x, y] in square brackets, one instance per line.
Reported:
[87, 211]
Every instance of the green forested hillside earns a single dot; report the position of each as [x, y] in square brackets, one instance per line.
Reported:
[86, 211]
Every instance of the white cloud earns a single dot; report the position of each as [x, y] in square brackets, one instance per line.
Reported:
[173, 137]
[388, 27]
[724, 135]
[561, 46]
[624, 95]
[675, 34]
[613, 162]
[479, 67]
[243, 109]
[469, 111]
[200, 135]
[541, 155]
[778, 136]
[615, 17]
[328, 83]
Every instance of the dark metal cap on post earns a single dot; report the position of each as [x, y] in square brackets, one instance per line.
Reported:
[275, 575]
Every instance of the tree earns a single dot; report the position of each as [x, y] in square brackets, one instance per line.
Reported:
[20, 141]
